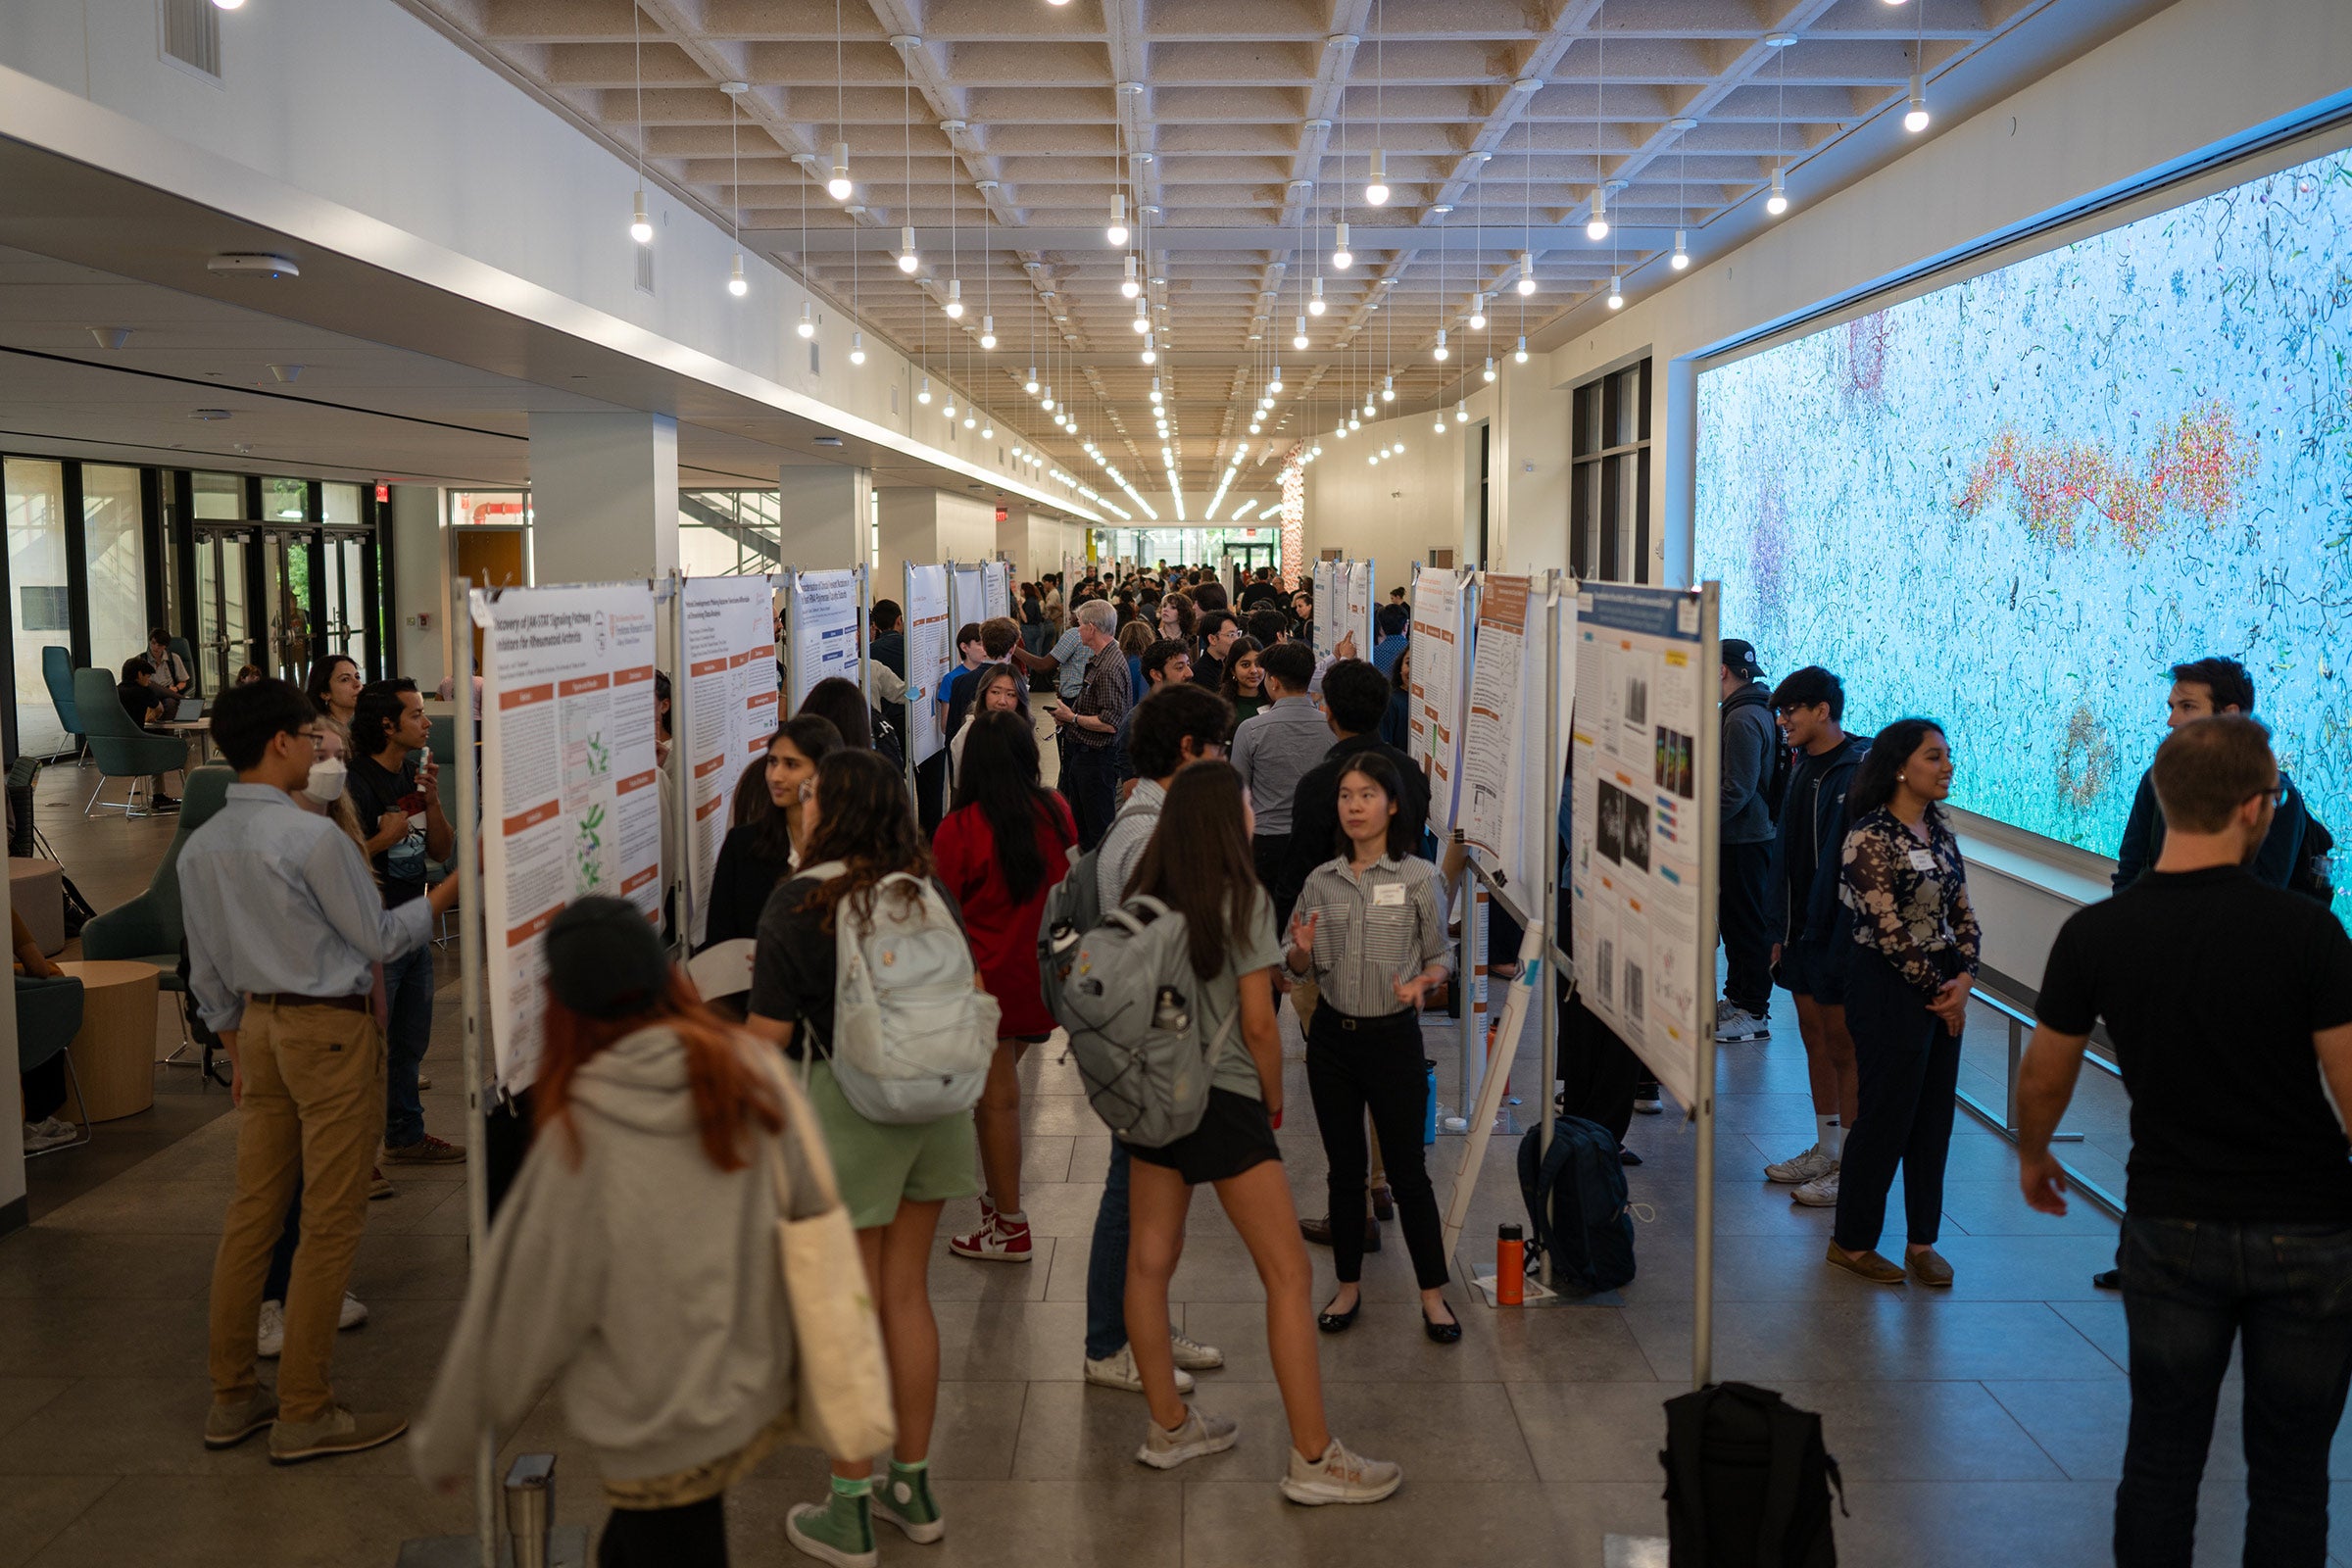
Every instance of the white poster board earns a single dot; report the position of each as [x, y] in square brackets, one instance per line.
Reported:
[1494, 741]
[730, 709]
[930, 654]
[822, 623]
[1355, 588]
[970, 605]
[571, 800]
[995, 588]
[1325, 583]
[1439, 640]
[1643, 738]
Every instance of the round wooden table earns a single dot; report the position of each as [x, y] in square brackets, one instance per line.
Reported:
[114, 1051]
[36, 890]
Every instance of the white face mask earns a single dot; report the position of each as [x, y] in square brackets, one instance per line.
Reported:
[326, 780]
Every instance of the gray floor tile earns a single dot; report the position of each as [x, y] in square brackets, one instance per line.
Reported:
[1878, 1337]
[1249, 1524]
[35, 1510]
[21, 1397]
[48, 1260]
[996, 1524]
[2081, 1426]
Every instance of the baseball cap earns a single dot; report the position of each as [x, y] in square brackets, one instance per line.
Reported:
[1740, 658]
[605, 959]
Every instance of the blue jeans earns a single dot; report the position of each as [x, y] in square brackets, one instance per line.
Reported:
[2191, 1286]
[1107, 1264]
[408, 988]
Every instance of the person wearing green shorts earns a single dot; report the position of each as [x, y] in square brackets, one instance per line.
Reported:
[894, 1178]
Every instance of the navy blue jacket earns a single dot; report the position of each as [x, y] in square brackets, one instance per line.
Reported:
[2143, 837]
[1812, 827]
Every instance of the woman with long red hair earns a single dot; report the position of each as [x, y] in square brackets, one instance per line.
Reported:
[635, 1256]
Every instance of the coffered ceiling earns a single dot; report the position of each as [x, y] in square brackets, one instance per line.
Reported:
[1237, 133]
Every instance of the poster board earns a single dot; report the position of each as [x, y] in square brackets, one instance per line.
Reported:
[930, 654]
[995, 589]
[968, 606]
[728, 711]
[822, 623]
[571, 800]
[1323, 582]
[1440, 639]
[1356, 589]
[1494, 739]
[1642, 820]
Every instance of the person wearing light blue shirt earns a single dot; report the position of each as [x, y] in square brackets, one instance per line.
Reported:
[284, 927]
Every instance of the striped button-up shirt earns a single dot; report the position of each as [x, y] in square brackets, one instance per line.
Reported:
[1373, 928]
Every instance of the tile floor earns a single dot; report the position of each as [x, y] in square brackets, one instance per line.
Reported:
[1982, 1425]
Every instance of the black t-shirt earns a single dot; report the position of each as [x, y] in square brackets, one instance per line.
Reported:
[740, 886]
[2212, 986]
[792, 966]
[141, 703]
[375, 789]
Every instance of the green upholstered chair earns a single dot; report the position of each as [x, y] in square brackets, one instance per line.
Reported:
[148, 928]
[57, 671]
[48, 1017]
[123, 750]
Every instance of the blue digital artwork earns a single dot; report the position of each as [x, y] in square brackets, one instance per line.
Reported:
[2013, 503]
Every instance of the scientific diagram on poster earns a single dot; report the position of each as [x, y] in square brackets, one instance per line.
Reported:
[570, 804]
[930, 651]
[1642, 737]
[1439, 636]
[822, 621]
[728, 711]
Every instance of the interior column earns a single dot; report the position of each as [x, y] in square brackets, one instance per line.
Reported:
[604, 496]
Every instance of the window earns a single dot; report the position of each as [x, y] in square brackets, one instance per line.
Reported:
[341, 504]
[114, 545]
[729, 533]
[219, 495]
[1608, 493]
[40, 615]
[286, 500]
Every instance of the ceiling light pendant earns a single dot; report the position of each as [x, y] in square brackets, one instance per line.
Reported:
[1047, 401]
[1340, 433]
[1519, 354]
[1440, 426]
[988, 331]
[988, 432]
[1314, 298]
[1274, 385]
[1778, 202]
[1131, 287]
[1376, 190]
[1387, 388]
[1116, 233]
[1527, 273]
[739, 288]
[1489, 370]
[969, 419]
[949, 413]
[955, 299]
[1478, 313]
[1150, 350]
[839, 188]
[639, 229]
[1917, 120]
[1462, 413]
[1681, 259]
[1142, 317]
[1342, 257]
[923, 395]
[856, 348]
[1440, 352]
[228, 4]
[908, 260]
[1598, 227]
[1617, 293]
[806, 326]
[1299, 338]
[1155, 393]
[1355, 424]
[1030, 386]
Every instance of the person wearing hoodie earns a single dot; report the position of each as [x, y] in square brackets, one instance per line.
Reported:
[1812, 930]
[635, 1256]
[1744, 833]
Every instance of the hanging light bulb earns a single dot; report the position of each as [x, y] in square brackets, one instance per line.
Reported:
[639, 229]
[856, 348]
[1917, 120]
[806, 326]
[949, 410]
[1598, 227]
[1150, 350]
[988, 331]
[1440, 426]
[1314, 298]
[1047, 401]
[1488, 373]
[1388, 389]
[1778, 202]
[1253, 428]
[1274, 384]
[1355, 424]
[1440, 352]
[1030, 386]
[924, 395]
[1132, 286]
[1527, 272]
[1342, 257]
[1299, 338]
[988, 432]
[1478, 313]
[1519, 354]
[1116, 233]
[969, 420]
[1155, 394]
[1339, 431]
[1617, 293]
[838, 187]
[908, 260]
[1462, 413]
[955, 299]
[1372, 462]
[1318, 450]
[739, 288]
[1681, 253]
[1142, 317]
[1376, 190]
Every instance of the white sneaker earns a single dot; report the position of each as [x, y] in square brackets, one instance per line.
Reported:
[49, 1133]
[1736, 1025]
[272, 1333]
[1192, 1355]
[1807, 1166]
[1199, 1435]
[1818, 1193]
[1647, 1101]
[1118, 1372]
[1339, 1476]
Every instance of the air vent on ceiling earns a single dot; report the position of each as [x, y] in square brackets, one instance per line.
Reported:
[645, 268]
[828, 440]
[191, 32]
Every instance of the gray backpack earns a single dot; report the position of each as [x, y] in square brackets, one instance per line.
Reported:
[1132, 1006]
[1074, 908]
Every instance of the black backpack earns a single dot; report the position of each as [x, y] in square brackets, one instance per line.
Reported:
[2313, 873]
[1578, 1205]
[1747, 1482]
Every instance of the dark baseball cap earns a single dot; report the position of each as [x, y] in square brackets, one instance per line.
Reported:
[1740, 658]
[605, 959]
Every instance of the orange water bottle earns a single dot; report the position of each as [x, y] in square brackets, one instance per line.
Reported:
[1510, 1266]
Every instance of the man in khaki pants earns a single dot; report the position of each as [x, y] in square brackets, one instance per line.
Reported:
[284, 928]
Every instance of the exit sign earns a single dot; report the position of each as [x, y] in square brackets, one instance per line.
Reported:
[383, 492]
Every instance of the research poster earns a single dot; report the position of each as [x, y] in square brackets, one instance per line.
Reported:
[970, 607]
[1355, 586]
[1642, 737]
[570, 799]
[1436, 698]
[1494, 734]
[930, 652]
[995, 588]
[822, 623]
[730, 711]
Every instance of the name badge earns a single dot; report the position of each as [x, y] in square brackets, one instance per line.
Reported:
[1390, 896]
[1922, 860]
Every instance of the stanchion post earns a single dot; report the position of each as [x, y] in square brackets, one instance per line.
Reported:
[1549, 1025]
[464, 724]
[906, 655]
[675, 829]
[863, 634]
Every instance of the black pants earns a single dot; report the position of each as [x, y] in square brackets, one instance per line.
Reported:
[44, 1089]
[694, 1536]
[1746, 931]
[1597, 1070]
[1094, 775]
[1269, 851]
[1909, 1065]
[931, 790]
[1376, 1065]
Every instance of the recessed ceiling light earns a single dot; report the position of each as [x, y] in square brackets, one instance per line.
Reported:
[209, 415]
[242, 264]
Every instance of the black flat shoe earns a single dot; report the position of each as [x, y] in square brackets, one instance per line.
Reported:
[1443, 1333]
[1339, 1322]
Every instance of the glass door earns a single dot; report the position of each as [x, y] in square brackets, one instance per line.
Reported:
[224, 639]
[344, 585]
[286, 579]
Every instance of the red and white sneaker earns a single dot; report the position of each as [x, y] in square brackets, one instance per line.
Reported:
[1001, 1238]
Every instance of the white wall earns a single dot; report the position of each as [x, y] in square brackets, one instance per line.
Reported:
[420, 584]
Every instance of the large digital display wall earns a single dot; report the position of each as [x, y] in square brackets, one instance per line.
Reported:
[2013, 503]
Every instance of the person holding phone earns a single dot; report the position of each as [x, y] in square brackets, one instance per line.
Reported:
[1914, 958]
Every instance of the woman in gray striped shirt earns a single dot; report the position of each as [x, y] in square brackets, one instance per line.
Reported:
[1369, 929]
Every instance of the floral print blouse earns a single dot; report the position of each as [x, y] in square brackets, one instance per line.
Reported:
[1910, 898]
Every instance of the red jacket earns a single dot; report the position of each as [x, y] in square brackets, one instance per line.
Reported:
[1004, 934]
